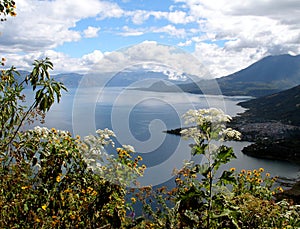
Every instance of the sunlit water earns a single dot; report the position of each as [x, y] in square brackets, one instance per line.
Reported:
[139, 118]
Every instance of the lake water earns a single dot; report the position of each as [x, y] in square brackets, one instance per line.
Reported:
[139, 118]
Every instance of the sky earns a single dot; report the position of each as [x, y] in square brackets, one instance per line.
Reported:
[225, 35]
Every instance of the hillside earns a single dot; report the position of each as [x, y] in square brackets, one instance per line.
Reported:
[269, 75]
[266, 76]
[283, 106]
[273, 124]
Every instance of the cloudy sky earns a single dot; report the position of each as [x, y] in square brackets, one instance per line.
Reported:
[225, 35]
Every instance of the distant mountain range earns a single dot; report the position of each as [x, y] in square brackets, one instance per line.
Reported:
[269, 75]
[121, 79]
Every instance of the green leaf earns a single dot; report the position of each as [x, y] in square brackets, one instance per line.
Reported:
[227, 178]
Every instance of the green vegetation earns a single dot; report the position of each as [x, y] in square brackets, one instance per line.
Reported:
[50, 179]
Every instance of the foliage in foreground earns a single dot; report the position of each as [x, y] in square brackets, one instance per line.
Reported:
[49, 179]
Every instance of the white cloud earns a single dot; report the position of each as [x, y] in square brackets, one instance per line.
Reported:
[130, 32]
[150, 52]
[171, 30]
[91, 32]
[221, 62]
[43, 25]
[186, 43]
[175, 17]
[61, 61]
[250, 30]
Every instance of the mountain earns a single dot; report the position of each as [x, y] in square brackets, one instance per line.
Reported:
[266, 76]
[269, 75]
[69, 79]
[283, 106]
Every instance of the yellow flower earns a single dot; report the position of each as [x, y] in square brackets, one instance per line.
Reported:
[249, 172]
[44, 207]
[144, 166]
[194, 176]
[280, 189]
[243, 171]
[24, 187]
[267, 174]
[133, 200]
[139, 158]
[37, 220]
[232, 169]
[178, 179]
[261, 170]
[58, 179]
[254, 171]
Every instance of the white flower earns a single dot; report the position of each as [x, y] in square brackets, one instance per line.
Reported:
[128, 148]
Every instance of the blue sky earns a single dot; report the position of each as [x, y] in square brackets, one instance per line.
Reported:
[225, 35]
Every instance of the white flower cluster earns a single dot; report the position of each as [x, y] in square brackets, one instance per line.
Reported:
[209, 124]
[212, 115]
[128, 148]
[44, 132]
[93, 148]
[229, 133]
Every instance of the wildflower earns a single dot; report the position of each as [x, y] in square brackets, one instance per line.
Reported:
[254, 171]
[37, 220]
[44, 207]
[25, 187]
[128, 148]
[232, 169]
[280, 189]
[194, 176]
[267, 174]
[178, 180]
[139, 158]
[261, 170]
[68, 191]
[58, 178]
[13, 14]
[243, 171]
[249, 172]
[144, 166]
[133, 200]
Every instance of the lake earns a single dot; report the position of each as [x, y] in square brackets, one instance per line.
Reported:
[139, 118]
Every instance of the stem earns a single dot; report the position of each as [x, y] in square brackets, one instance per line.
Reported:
[19, 126]
[210, 184]
[209, 200]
